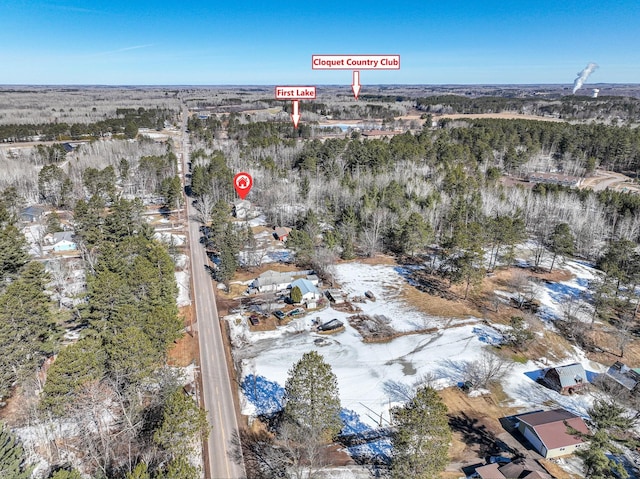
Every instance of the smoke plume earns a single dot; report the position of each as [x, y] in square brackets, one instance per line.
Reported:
[583, 75]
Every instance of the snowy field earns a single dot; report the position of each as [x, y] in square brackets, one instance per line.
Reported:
[374, 377]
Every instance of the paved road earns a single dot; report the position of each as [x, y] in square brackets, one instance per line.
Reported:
[217, 395]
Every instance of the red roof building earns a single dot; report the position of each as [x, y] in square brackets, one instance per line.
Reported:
[548, 431]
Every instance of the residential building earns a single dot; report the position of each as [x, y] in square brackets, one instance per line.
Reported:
[309, 291]
[565, 379]
[624, 376]
[519, 468]
[548, 431]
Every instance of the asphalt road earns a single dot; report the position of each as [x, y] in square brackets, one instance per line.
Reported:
[216, 394]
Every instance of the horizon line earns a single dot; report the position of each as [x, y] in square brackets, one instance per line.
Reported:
[269, 85]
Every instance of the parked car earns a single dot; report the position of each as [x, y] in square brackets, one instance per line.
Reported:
[296, 312]
[278, 314]
[254, 319]
[499, 460]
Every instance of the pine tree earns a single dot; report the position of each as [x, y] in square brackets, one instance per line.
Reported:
[296, 295]
[561, 242]
[12, 457]
[180, 468]
[141, 471]
[66, 474]
[183, 423]
[312, 400]
[27, 330]
[13, 246]
[415, 234]
[421, 438]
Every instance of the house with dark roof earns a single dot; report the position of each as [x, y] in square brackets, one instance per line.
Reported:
[565, 379]
[519, 468]
[548, 431]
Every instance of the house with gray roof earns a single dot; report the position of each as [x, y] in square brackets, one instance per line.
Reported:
[624, 376]
[565, 379]
[272, 281]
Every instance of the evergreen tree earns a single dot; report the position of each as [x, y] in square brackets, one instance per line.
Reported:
[311, 393]
[561, 242]
[13, 246]
[612, 423]
[296, 295]
[302, 245]
[183, 424]
[66, 474]
[141, 471]
[421, 438]
[12, 456]
[415, 234]
[75, 366]
[27, 329]
[180, 468]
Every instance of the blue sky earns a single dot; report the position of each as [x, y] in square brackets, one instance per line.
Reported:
[139, 42]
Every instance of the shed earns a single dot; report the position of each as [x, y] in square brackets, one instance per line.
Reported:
[547, 431]
[335, 296]
[565, 379]
[281, 233]
[521, 468]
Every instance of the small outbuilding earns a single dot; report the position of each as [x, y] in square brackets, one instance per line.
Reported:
[565, 379]
[281, 233]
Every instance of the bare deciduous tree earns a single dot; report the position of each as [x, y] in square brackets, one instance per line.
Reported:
[488, 369]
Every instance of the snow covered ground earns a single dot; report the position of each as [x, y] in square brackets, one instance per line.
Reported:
[170, 238]
[371, 377]
[374, 377]
[182, 279]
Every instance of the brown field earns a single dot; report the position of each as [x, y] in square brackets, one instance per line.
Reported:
[185, 350]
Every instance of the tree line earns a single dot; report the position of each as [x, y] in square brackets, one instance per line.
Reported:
[126, 122]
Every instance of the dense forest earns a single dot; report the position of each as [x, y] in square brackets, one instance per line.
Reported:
[126, 122]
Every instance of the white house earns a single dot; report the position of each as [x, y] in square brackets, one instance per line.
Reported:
[63, 241]
[241, 209]
[310, 293]
[272, 281]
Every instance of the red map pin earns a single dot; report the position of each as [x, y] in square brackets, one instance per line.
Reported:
[242, 182]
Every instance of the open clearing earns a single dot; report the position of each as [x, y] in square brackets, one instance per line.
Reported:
[437, 338]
